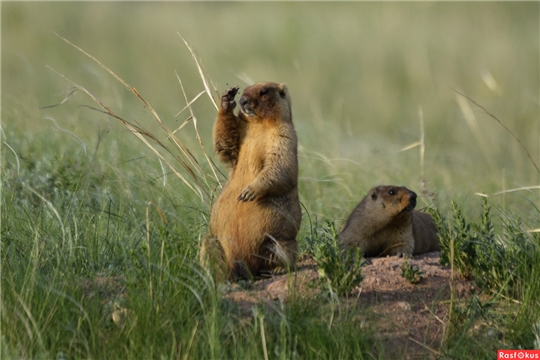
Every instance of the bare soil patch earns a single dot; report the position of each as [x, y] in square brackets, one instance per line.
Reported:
[409, 318]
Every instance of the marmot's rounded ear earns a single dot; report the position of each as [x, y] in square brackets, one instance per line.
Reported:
[374, 196]
[282, 90]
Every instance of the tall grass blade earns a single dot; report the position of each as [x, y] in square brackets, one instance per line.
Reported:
[504, 126]
[142, 134]
[201, 73]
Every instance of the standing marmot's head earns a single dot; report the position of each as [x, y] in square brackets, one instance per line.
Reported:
[391, 200]
[266, 100]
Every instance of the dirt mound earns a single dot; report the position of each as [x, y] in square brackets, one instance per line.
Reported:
[410, 318]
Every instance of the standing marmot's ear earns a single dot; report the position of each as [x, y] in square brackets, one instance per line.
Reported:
[282, 90]
[374, 196]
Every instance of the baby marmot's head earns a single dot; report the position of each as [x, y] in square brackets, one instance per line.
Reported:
[393, 199]
[266, 100]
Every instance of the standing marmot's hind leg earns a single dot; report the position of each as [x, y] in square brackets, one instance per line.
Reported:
[280, 253]
[240, 271]
[212, 257]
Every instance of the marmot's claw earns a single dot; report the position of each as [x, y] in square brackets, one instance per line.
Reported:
[227, 99]
[247, 195]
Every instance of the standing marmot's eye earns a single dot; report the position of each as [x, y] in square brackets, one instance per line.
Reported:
[392, 192]
[264, 91]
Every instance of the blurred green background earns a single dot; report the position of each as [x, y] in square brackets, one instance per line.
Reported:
[358, 74]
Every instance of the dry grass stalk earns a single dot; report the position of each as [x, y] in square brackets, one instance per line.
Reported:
[187, 160]
[504, 126]
[194, 118]
[517, 189]
[421, 143]
[201, 72]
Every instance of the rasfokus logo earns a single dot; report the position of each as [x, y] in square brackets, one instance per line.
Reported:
[518, 354]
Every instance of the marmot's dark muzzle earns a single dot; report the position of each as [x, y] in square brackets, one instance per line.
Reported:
[412, 201]
[245, 107]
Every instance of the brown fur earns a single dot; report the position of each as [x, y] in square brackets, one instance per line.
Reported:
[256, 217]
[385, 223]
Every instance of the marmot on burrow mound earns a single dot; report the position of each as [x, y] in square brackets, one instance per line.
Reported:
[255, 219]
[385, 223]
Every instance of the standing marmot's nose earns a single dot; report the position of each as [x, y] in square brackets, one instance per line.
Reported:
[245, 107]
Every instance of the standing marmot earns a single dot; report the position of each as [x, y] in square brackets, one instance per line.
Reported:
[256, 217]
[384, 223]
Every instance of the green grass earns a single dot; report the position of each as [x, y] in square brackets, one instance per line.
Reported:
[502, 262]
[339, 271]
[411, 273]
[84, 199]
[52, 253]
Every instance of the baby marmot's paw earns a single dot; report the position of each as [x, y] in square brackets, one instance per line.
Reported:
[227, 99]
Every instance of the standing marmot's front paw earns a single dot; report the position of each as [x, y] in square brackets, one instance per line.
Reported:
[248, 194]
[227, 99]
